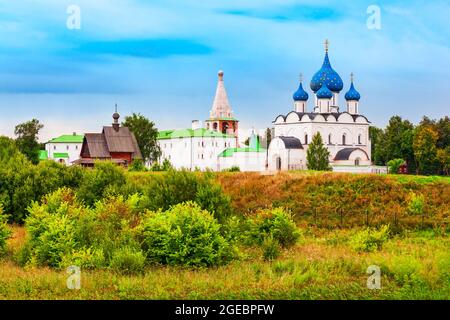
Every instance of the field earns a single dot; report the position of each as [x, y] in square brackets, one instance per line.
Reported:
[328, 210]
[415, 265]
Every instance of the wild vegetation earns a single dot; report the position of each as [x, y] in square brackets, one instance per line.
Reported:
[179, 234]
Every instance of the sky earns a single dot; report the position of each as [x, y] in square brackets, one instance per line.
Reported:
[161, 58]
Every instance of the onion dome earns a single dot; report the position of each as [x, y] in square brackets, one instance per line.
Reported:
[300, 94]
[327, 75]
[324, 92]
[352, 94]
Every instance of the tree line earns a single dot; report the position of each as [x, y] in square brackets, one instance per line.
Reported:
[425, 148]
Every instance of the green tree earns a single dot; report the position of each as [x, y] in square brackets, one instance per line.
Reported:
[376, 135]
[425, 150]
[27, 139]
[443, 128]
[443, 157]
[397, 142]
[146, 135]
[317, 156]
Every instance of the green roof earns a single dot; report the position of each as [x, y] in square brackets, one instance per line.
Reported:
[68, 138]
[187, 133]
[43, 155]
[230, 151]
[60, 155]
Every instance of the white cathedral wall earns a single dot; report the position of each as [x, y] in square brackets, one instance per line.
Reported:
[246, 161]
[291, 159]
[337, 129]
[194, 152]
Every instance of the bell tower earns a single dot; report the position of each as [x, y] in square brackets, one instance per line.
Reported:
[221, 117]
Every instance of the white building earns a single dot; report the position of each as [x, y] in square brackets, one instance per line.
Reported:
[344, 130]
[249, 158]
[64, 149]
[197, 147]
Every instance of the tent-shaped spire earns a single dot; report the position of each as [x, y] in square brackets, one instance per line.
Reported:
[221, 107]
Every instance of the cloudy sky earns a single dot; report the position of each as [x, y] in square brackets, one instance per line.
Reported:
[161, 58]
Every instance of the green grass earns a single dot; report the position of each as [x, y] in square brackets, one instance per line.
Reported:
[414, 265]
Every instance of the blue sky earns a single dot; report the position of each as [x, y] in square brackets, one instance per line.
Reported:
[161, 58]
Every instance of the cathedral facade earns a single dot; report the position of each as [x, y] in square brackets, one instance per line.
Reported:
[343, 128]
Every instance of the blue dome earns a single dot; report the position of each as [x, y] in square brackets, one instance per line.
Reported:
[324, 92]
[300, 94]
[328, 76]
[352, 94]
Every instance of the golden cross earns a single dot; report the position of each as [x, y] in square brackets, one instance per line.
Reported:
[301, 77]
[327, 43]
[351, 76]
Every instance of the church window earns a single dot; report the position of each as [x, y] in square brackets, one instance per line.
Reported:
[357, 161]
[329, 139]
[343, 139]
[67, 147]
[359, 139]
[306, 139]
[54, 147]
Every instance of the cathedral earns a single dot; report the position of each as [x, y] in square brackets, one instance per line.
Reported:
[344, 129]
[216, 146]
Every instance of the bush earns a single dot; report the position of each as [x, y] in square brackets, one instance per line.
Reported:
[394, 165]
[86, 258]
[184, 235]
[369, 240]
[232, 169]
[276, 223]
[271, 248]
[137, 166]
[63, 232]
[174, 187]
[5, 232]
[127, 261]
[105, 179]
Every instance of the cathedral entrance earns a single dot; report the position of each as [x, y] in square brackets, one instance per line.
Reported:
[278, 162]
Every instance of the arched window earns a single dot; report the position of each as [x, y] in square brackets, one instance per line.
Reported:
[359, 139]
[343, 139]
[329, 139]
[306, 138]
[357, 160]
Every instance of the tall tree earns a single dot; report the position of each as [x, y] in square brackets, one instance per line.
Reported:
[27, 139]
[146, 135]
[425, 150]
[377, 150]
[397, 141]
[318, 156]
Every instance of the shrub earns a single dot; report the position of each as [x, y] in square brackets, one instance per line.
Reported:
[174, 187]
[5, 232]
[86, 258]
[369, 240]
[105, 179]
[127, 261]
[232, 169]
[277, 223]
[63, 232]
[184, 235]
[137, 166]
[394, 165]
[271, 248]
